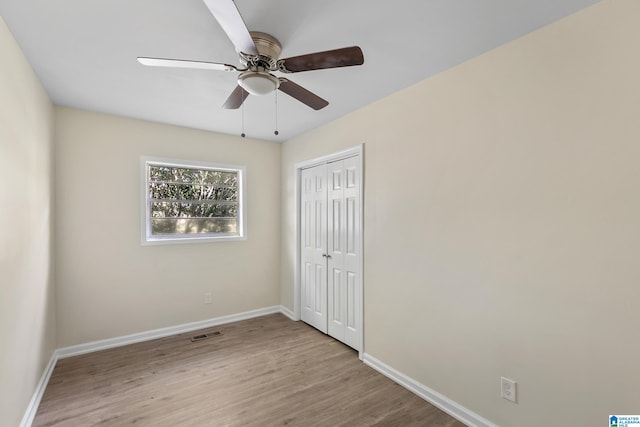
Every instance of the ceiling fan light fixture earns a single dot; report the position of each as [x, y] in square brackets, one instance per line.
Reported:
[258, 83]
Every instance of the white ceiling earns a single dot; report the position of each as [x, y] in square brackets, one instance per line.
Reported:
[84, 52]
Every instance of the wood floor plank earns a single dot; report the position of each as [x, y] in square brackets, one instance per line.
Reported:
[267, 371]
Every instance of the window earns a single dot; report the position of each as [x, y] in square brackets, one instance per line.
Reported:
[188, 201]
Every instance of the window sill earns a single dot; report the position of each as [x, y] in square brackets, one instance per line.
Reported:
[188, 240]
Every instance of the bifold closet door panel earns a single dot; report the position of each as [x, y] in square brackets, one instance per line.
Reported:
[313, 216]
[336, 288]
[343, 272]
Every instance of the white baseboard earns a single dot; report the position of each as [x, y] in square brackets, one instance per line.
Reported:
[438, 400]
[290, 314]
[90, 347]
[32, 408]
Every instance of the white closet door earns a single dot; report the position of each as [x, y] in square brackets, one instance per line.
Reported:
[331, 277]
[314, 243]
[343, 273]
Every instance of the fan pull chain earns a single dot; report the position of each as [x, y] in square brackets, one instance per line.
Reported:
[242, 134]
[276, 131]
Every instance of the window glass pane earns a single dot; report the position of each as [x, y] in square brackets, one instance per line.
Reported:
[161, 190]
[185, 202]
[193, 226]
[192, 175]
[192, 210]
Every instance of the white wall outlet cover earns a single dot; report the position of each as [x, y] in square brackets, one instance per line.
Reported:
[207, 298]
[508, 389]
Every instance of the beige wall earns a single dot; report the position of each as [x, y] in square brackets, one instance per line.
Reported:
[27, 322]
[108, 284]
[502, 223]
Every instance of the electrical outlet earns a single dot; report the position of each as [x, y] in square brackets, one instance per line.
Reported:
[508, 389]
[207, 298]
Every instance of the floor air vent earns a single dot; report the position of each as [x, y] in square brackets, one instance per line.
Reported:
[204, 336]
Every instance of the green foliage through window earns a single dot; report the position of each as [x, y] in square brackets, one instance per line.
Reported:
[184, 201]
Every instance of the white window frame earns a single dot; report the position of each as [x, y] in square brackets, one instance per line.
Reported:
[148, 239]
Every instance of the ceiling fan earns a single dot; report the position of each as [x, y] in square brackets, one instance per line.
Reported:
[260, 56]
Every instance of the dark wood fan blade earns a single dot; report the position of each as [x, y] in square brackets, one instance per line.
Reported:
[345, 57]
[227, 14]
[301, 94]
[236, 98]
[181, 63]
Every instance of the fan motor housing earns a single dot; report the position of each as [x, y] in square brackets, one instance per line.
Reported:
[266, 44]
[269, 49]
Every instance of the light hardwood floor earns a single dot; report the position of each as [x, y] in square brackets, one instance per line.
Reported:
[268, 371]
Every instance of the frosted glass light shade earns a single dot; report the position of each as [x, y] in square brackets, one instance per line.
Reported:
[257, 83]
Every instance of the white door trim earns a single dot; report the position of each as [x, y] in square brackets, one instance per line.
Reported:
[357, 151]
